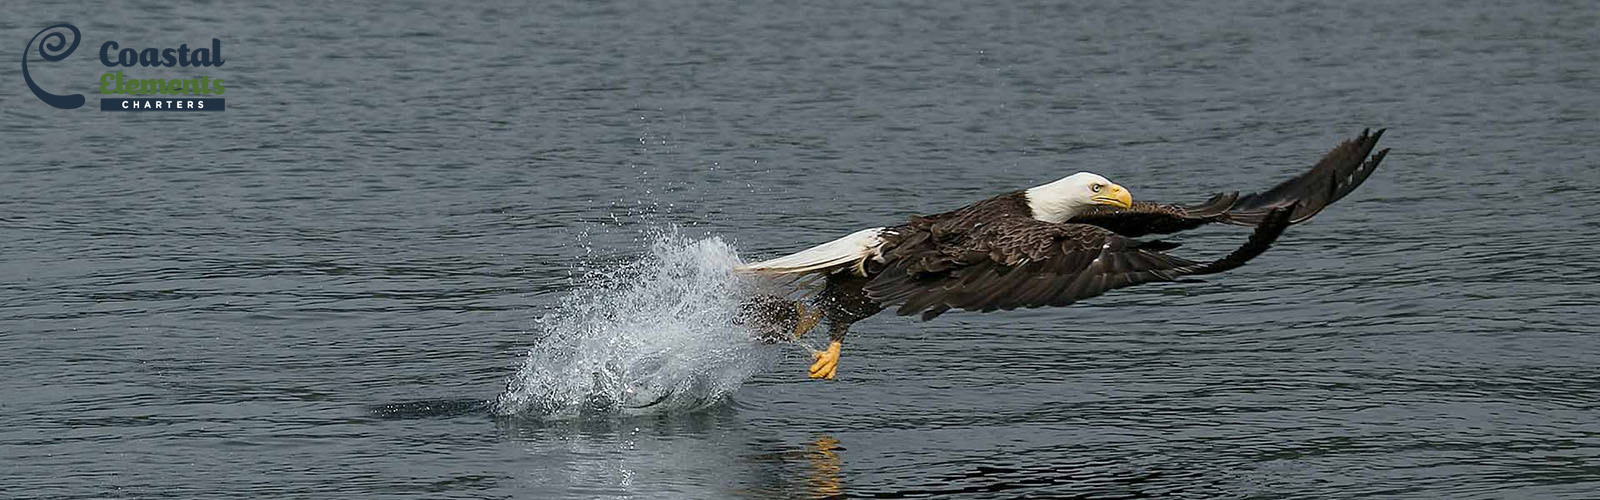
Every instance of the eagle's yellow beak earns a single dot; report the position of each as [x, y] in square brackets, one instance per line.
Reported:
[1113, 195]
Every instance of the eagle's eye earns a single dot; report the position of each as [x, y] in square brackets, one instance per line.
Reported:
[1096, 187]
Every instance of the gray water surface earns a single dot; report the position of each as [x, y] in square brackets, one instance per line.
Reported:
[313, 293]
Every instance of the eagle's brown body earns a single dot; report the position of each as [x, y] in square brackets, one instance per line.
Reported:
[997, 254]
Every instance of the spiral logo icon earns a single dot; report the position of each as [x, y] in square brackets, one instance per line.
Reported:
[54, 46]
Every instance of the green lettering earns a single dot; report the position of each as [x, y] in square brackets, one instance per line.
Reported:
[154, 86]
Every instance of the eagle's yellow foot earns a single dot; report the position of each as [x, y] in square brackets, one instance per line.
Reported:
[827, 361]
[806, 319]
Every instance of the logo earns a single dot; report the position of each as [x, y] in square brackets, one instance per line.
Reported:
[192, 92]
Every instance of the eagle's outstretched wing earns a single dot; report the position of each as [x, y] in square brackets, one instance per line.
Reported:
[1021, 262]
[1157, 218]
[1339, 172]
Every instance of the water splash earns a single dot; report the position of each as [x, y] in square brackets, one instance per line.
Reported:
[654, 335]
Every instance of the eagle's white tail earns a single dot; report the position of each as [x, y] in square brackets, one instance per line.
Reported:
[853, 250]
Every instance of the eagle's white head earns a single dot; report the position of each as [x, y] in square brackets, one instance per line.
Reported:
[1065, 198]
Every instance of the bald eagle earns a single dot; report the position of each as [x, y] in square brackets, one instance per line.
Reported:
[1049, 245]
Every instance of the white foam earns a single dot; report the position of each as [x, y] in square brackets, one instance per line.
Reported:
[656, 335]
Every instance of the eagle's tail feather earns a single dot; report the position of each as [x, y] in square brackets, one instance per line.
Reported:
[852, 250]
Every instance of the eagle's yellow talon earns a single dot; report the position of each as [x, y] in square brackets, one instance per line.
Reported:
[827, 363]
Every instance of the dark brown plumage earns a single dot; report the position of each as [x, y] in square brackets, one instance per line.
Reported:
[1158, 218]
[1339, 172]
[998, 254]
[1012, 262]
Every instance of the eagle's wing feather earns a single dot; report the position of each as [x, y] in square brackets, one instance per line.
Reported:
[1157, 218]
[1021, 262]
[1339, 172]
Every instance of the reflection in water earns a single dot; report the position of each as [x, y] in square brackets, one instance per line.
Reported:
[622, 455]
[813, 469]
[826, 479]
[697, 454]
